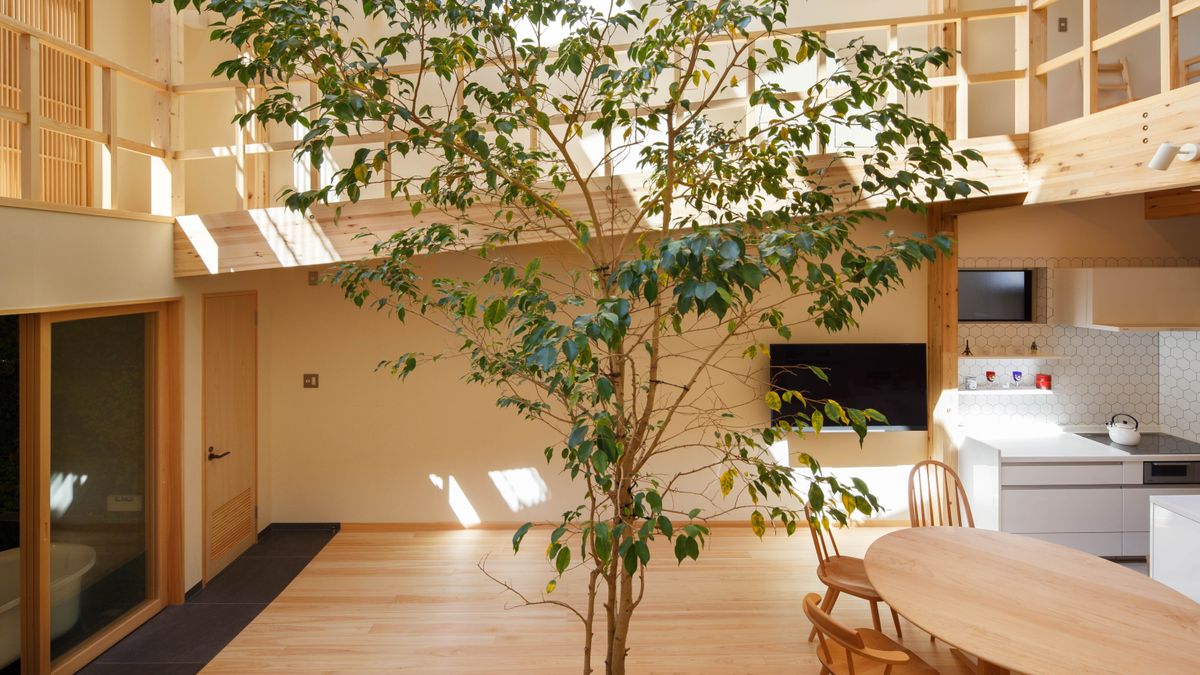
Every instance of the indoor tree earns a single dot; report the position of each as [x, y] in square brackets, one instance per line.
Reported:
[675, 147]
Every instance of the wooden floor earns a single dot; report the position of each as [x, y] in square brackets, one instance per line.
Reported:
[415, 602]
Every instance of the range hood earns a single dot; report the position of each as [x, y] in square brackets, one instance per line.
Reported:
[1128, 298]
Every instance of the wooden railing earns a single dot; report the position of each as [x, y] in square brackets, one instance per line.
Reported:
[950, 99]
[1165, 21]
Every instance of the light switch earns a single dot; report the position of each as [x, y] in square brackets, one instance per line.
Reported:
[1062, 24]
[314, 278]
[312, 380]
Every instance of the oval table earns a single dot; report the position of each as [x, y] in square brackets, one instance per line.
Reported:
[1022, 604]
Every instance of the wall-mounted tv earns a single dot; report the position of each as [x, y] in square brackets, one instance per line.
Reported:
[995, 295]
[887, 377]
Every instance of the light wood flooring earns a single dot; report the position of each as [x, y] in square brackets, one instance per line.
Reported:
[416, 602]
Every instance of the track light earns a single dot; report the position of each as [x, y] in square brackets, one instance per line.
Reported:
[1167, 152]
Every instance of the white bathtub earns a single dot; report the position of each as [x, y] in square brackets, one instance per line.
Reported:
[68, 564]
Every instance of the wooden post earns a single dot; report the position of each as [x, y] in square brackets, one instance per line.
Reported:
[962, 90]
[942, 363]
[35, 502]
[1021, 62]
[111, 142]
[241, 181]
[314, 174]
[1035, 23]
[942, 106]
[166, 131]
[1168, 48]
[822, 73]
[29, 80]
[1091, 75]
[893, 44]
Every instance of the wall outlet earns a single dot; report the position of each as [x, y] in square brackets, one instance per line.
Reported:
[124, 502]
[314, 278]
[312, 380]
[1062, 24]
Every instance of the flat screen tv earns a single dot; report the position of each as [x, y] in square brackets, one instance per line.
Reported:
[995, 295]
[887, 377]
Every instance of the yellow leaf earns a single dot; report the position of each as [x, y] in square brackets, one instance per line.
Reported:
[758, 524]
[848, 502]
[727, 481]
[551, 586]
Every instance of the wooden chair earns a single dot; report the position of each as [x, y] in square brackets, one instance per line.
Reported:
[859, 651]
[936, 497]
[842, 574]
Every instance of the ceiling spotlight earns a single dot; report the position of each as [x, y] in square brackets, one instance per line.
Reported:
[1167, 152]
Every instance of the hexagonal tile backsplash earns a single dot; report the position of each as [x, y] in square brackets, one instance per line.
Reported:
[1179, 384]
[1102, 373]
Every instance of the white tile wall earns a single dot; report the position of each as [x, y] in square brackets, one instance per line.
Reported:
[1179, 384]
[1104, 372]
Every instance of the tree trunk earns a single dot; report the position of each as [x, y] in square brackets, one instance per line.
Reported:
[620, 641]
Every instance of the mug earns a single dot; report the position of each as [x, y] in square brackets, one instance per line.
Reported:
[1042, 381]
[972, 383]
[991, 375]
[1017, 376]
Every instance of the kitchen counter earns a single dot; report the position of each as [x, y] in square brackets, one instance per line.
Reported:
[1058, 446]
[1187, 506]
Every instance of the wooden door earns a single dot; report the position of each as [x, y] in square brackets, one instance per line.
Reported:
[230, 428]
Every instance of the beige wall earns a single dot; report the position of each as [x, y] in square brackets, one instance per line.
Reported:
[1096, 229]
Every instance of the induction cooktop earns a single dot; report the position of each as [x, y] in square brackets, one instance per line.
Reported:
[1151, 444]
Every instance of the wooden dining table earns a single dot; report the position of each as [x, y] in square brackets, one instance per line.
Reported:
[1021, 604]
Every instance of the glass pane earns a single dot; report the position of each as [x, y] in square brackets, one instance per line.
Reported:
[10, 494]
[100, 425]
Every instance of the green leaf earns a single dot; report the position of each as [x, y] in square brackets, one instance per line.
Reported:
[773, 401]
[816, 497]
[521, 532]
[604, 388]
[562, 560]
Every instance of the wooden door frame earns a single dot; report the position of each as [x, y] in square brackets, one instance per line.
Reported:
[164, 521]
[204, 511]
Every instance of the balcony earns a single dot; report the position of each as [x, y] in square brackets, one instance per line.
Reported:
[1056, 121]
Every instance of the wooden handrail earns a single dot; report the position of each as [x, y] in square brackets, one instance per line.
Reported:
[212, 86]
[81, 53]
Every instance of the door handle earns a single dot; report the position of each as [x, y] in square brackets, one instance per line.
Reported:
[213, 455]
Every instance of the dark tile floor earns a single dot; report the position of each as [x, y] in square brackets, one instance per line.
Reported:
[184, 638]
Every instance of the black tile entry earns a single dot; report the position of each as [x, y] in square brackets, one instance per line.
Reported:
[184, 638]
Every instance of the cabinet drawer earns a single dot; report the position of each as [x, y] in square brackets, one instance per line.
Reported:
[1075, 473]
[1027, 510]
[1097, 543]
[1135, 543]
[1135, 512]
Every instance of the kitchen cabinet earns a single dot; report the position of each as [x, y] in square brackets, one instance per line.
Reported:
[1128, 298]
[1175, 543]
[1083, 509]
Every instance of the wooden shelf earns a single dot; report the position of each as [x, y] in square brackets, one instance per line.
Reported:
[1014, 357]
[1012, 391]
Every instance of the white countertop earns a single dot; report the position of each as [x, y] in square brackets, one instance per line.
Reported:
[1048, 444]
[1187, 506]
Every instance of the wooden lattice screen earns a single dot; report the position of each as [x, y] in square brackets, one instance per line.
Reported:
[66, 97]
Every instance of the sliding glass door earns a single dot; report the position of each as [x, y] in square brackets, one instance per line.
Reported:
[98, 486]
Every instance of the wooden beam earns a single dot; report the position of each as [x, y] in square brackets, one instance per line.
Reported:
[112, 143]
[1106, 154]
[1143, 25]
[29, 79]
[942, 340]
[1184, 7]
[80, 53]
[1173, 203]
[962, 92]
[942, 104]
[1066, 58]
[35, 501]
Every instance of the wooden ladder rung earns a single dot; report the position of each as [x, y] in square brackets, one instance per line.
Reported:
[1113, 87]
[1109, 67]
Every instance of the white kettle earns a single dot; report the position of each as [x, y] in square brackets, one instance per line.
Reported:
[1124, 431]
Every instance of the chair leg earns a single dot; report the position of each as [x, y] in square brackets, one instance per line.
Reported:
[896, 622]
[831, 596]
[875, 615]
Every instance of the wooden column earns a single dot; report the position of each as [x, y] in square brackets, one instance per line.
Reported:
[1168, 48]
[29, 81]
[962, 90]
[166, 37]
[111, 143]
[943, 106]
[1091, 76]
[1035, 55]
[942, 363]
[35, 500]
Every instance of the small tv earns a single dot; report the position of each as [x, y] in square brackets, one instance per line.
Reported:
[995, 295]
[887, 377]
